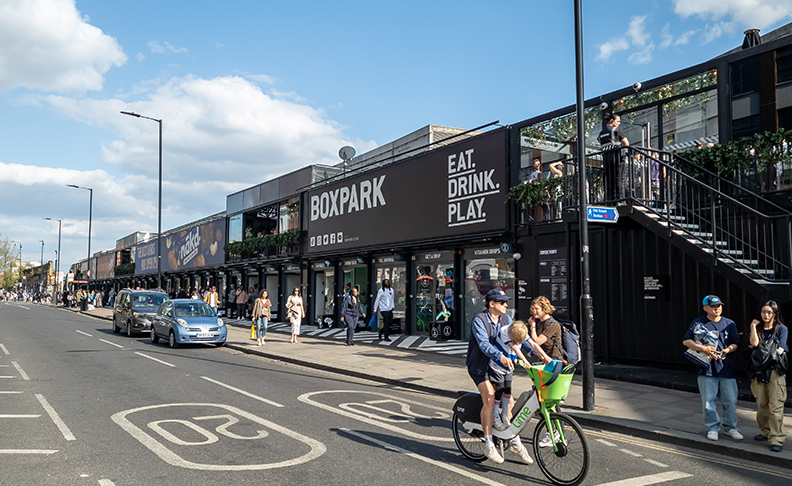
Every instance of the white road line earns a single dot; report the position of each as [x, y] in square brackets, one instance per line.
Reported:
[84, 333]
[463, 472]
[459, 351]
[605, 442]
[21, 371]
[155, 359]
[5, 351]
[20, 416]
[106, 482]
[27, 451]
[631, 453]
[23, 307]
[111, 344]
[10, 392]
[56, 418]
[243, 392]
[651, 479]
[1, 377]
[658, 464]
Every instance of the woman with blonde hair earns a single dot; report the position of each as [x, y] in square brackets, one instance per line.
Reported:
[543, 329]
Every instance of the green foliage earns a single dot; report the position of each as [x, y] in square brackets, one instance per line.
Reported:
[124, 269]
[538, 192]
[263, 244]
[735, 156]
[7, 261]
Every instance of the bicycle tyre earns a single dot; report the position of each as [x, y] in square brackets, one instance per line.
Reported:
[570, 464]
[471, 445]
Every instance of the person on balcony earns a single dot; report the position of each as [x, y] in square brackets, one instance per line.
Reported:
[612, 139]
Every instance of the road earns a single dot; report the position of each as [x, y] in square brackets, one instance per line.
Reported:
[80, 405]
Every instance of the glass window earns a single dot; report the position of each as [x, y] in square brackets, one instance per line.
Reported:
[690, 118]
[484, 274]
[289, 215]
[395, 272]
[434, 294]
[234, 203]
[235, 228]
[784, 65]
[263, 221]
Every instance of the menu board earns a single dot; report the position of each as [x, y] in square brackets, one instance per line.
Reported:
[554, 279]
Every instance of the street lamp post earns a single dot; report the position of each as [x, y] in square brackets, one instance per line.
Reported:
[159, 199]
[586, 308]
[90, 217]
[57, 259]
[42, 252]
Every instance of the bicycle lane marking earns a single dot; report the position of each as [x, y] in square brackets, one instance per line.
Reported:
[67, 434]
[21, 371]
[242, 392]
[433, 462]
[5, 351]
[306, 398]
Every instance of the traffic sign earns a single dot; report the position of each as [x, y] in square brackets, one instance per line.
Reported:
[599, 214]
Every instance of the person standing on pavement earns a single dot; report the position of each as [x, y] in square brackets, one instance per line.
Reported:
[769, 382]
[212, 298]
[231, 301]
[261, 315]
[544, 330]
[295, 313]
[385, 304]
[350, 313]
[241, 303]
[484, 328]
[716, 336]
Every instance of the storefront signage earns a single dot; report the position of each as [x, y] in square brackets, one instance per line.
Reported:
[386, 259]
[105, 266]
[553, 280]
[450, 191]
[655, 287]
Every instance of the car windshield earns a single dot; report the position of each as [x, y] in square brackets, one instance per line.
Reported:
[148, 300]
[193, 309]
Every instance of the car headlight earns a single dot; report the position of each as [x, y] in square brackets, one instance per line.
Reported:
[181, 322]
[220, 322]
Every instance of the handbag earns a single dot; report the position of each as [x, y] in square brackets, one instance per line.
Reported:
[768, 356]
[253, 331]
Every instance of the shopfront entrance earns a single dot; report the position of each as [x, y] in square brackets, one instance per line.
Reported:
[394, 269]
[485, 269]
[322, 305]
[434, 289]
[355, 275]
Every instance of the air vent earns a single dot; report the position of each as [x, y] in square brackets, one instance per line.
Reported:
[752, 38]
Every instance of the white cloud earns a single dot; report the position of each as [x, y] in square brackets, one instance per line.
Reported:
[140, 57]
[157, 48]
[261, 78]
[47, 46]
[607, 49]
[644, 56]
[668, 39]
[714, 31]
[742, 13]
[636, 36]
[637, 31]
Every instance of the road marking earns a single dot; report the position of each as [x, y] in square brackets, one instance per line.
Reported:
[447, 467]
[20, 416]
[306, 398]
[629, 452]
[605, 442]
[658, 464]
[21, 371]
[120, 418]
[650, 479]
[56, 418]
[111, 344]
[27, 451]
[243, 392]
[691, 455]
[407, 342]
[10, 392]
[84, 333]
[5, 351]
[23, 307]
[155, 359]
[12, 377]
[106, 482]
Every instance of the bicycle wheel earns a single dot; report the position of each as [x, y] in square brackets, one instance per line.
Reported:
[471, 445]
[567, 466]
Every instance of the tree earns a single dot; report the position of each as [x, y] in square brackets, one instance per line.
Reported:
[7, 262]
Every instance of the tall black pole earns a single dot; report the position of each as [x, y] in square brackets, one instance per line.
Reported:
[57, 265]
[159, 211]
[42, 253]
[90, 218]
[587, 337]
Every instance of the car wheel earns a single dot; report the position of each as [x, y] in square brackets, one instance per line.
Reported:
[115, 326]
[129, 329]
[154, 337]
[172, 340]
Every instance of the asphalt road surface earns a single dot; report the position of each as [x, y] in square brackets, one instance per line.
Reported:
[80, 405]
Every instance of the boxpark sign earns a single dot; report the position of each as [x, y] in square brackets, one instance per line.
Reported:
[450, 191]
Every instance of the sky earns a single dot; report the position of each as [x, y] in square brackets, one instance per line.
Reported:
[248, 90]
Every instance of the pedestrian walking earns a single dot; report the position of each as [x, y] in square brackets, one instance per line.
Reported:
[716, 337]
[295, 313]
[261, 315]
[212, 298]
[241, 303]
[231, 301]
[350, 313]
[385, 304]
[769, 359]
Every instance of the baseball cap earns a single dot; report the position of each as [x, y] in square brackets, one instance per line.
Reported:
[712, 300]
[497, 294]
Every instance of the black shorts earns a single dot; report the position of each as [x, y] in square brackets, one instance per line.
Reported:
[478, 379]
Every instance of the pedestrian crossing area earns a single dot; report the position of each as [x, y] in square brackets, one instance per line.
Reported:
[414, 343]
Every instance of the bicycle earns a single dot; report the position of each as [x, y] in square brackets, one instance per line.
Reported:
[566, 463]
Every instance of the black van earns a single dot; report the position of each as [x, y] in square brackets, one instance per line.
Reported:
[134, 309]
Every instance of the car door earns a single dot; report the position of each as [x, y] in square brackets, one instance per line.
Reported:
[162, 320]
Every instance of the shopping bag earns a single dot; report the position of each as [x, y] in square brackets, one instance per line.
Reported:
[373, 320]
[253, 331]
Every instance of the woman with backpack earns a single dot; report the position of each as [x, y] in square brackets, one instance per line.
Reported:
[543, 329]
[768, 339]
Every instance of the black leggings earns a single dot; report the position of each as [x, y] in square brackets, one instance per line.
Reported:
[502, 389]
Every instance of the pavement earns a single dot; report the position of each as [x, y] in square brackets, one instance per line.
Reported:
[637, 409]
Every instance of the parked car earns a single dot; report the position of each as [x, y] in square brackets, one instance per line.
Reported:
[186, 321]
[134, 309]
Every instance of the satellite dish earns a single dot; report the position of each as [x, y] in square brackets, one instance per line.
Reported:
[346, 152]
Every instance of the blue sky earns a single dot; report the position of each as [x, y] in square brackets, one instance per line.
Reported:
[249, 90]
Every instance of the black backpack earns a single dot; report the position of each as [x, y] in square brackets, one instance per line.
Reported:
[570, 342]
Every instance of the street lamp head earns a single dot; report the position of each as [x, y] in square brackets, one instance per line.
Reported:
[73, 185]
[131, 113]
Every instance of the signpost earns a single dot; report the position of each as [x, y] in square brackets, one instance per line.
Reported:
[599, 214]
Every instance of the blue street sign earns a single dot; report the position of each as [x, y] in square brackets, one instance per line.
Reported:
[598, 214]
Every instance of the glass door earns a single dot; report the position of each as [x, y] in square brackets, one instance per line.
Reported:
[434, 294]
[324, 303]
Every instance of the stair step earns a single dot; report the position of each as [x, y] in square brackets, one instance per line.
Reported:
[760, 271]
[748, 263]
[724, 251]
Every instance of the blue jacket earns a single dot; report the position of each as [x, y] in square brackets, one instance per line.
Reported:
[481, 348]
[351, 311]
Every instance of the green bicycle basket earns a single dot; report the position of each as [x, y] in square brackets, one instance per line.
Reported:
[552, 380]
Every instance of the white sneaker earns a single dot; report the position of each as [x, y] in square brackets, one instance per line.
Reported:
[492, 453]
[713, 435]
[497, 422]
[546, 442]
[735, 434]
[523, 453]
